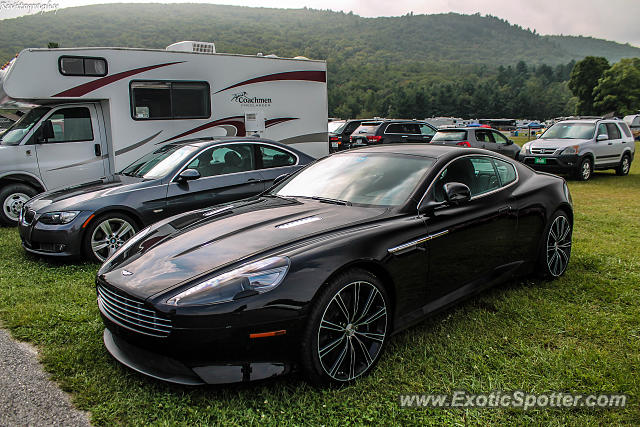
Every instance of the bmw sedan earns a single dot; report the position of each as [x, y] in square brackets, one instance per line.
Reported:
[318, 272]
[95, 219]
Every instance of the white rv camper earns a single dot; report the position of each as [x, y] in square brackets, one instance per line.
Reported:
[92, 111]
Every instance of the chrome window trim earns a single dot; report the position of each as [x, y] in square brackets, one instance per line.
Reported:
[478, 195]
[172, 180]
[416, 242]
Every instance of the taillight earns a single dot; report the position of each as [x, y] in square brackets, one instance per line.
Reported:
[373, 138]
[335, 139]
[464, 144]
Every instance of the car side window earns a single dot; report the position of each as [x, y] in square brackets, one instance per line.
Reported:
[221, 160]
[484, 136]
[614, 132]
[477, 173]
[274, 157]
[427, 130]
[602, 130]
[395, 128]
[351, 127]
[499, 138]
[412, 129]
[506, 172]
[626, 129]
[71, 125]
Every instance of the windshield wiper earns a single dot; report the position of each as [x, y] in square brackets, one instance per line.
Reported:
[333, 201]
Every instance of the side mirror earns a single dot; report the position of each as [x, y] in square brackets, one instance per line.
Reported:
[456, 193]
[46, 132]
[280, 178]
[509, 142]
[188, 175]
[602, 137]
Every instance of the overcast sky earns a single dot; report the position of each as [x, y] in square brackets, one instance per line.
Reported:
[617, 20]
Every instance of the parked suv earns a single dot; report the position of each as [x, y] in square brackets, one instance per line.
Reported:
[391, 132]
[580, 146]
[477, 137]
[339, 137]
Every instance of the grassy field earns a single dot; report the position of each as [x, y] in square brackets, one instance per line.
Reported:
[578, 334]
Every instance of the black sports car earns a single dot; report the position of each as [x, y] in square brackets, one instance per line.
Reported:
[319, 271]
[95, 219]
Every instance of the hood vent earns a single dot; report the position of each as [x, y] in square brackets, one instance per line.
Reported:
[298, 222]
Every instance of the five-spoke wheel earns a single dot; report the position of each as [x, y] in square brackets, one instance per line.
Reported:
[348, 328]
[106, 234]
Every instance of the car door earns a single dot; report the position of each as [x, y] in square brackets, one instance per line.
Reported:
[615, 147]
[605, 149]
[470, 241]
[503, 145]
[76, 154]
[395, 133]
[274, 161]
[227, 173]
[484, 138]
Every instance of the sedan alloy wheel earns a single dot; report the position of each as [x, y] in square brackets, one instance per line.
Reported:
[107, 235]
[558, 246]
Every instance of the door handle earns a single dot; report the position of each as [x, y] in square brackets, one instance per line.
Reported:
[611, 143]
[405, 136]
[253, 180]
[505, 209]
[97, 150]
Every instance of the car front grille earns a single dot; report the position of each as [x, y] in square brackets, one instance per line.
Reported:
[543, 150]
[131, 314]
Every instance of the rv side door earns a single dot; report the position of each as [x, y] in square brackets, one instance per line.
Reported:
[75, 154]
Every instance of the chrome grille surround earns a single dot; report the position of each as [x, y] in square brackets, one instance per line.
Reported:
[131, 314]
[543, 150]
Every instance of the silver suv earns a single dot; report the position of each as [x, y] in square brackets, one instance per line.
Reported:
[580, 146]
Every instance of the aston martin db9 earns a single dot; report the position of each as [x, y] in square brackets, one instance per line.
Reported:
[318, 272]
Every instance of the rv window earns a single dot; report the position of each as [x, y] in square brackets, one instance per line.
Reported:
[81, 66]
[71, 125]
[156, 100]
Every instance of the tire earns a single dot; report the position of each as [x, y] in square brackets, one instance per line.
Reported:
[12, 198]
[106, 234]
[585, 169]
[624, 166]
[555, 252]
[340, 344]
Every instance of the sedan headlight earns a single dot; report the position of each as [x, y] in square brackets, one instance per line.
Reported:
[56, 218]
[256, 277]
[571, 150]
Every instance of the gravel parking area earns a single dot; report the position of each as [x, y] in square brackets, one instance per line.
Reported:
[27, 395]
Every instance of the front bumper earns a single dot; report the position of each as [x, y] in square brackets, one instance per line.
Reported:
[64, 240]
[221, 344]
[561, 164]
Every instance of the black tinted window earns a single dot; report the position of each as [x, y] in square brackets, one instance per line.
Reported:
[169, 100]
[614, 132]
[221, 160]
[273, 157]
[395, 128]
[477, 173]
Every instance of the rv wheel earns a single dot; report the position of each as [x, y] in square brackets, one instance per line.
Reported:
[12, 198]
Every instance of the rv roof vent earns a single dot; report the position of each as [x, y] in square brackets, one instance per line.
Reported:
[301, 57]
[191, 46]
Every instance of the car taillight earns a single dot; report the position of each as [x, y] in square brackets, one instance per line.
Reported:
[374, 138]
[335, 139]
[464, 144]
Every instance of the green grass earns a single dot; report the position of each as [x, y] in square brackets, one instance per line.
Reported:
[578, 334]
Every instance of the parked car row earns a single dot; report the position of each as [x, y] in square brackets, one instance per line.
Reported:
[574, 147]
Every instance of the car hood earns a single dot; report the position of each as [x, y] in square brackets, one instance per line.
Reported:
[190, 246]
[77, 196]
[556, 143]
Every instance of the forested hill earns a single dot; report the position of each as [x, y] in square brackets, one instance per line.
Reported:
[430, 39]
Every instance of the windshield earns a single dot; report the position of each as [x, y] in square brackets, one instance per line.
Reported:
[336, 127]
[363, 178]
[570, 131]
[459, 135]
[159, 163]
[15, 133]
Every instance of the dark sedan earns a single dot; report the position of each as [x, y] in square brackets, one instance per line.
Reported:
[95, 219]
[477, 137]
[318, 272]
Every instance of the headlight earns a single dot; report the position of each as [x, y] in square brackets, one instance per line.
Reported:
[525, 149]
[54, 218]
[256, 277]
[571, 150]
